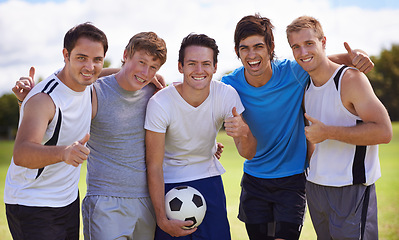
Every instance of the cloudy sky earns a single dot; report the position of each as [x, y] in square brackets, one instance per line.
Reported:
[32, 31]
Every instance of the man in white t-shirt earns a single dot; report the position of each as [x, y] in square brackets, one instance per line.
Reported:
[347, 121]
[182, 123]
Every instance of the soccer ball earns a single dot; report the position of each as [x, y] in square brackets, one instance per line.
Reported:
[185, 203]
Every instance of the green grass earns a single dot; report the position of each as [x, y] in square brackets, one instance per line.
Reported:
[387, 189]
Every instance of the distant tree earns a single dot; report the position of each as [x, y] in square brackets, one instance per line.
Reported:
[385, 79]
[107, 63]
[9, 113]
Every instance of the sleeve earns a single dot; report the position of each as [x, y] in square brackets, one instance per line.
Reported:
[232, 99]
[156, 118]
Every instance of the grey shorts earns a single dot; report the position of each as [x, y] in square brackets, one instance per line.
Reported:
[348, 212]
[118, 218]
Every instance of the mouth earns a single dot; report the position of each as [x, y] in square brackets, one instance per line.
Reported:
[253, 64]
[88, 75]
[140, 79]
[306, 60]
[198, 78]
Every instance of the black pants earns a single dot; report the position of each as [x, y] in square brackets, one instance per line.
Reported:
[44, 223]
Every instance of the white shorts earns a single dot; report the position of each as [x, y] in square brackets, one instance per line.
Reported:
[118, 218]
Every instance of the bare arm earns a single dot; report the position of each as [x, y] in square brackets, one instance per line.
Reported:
[28, 150]
[354, 58]
[155, 145]
[244, 140]
[358, 97]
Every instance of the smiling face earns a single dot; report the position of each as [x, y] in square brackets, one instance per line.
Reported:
[198, 67]
[83, 64]
[307, 48]
[138, 70]
[255, 58]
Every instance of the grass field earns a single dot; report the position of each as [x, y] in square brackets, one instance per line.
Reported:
[387, 189]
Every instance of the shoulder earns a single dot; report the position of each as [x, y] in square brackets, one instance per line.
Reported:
[233, 76]
[352, 78]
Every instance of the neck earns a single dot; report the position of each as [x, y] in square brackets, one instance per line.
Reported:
[323, 73]
[193, 97]
[259, 80]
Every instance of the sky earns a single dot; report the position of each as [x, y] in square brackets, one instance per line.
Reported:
[32, 31]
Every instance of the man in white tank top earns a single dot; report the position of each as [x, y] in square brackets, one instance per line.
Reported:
[41, 187]
[347, 121]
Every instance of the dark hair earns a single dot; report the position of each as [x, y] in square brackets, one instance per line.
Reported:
[198, 40]
[150, 42]
[87, 30]
[255, 25]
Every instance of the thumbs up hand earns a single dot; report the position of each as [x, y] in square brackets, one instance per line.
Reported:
[235, 126]
[77, 153]
[359, 59]
[316, 132]
[24, 85]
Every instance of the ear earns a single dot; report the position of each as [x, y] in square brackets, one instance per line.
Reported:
[180, 67]
[216, 67]
[125, 55]
[237, 52]
[324, 42]
[65, 54]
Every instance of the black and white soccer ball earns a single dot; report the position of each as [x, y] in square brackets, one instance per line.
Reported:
[185, 203]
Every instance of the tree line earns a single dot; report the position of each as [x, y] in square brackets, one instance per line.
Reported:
[384, 78]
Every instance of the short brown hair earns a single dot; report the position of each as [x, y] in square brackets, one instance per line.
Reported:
[149, 42]
[87, 30]
[255, 25]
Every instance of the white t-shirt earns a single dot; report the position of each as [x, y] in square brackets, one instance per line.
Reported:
[190, 132]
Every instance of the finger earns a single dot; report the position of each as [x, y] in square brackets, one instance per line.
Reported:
[84, 140]
[348, 48]
[234, 111]
[161, 80]
[309, 118]
[32, 73]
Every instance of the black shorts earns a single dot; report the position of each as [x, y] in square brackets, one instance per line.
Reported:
[44, 223]
[272, 200]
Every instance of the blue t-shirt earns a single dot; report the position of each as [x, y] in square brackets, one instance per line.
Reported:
[275, 117]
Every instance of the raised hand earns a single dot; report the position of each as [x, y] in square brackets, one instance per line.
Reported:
[235, 126]
[24, 85]
[77, 153]
[360, 59]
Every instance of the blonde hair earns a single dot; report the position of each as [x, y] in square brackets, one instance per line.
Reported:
[306, 22]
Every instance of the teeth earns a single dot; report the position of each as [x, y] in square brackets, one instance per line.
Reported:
[198, 78]
[255, 62]
[307, 60]
[140, 79]
[87, 74]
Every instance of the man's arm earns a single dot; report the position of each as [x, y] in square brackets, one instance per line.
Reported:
[354, 58]
[155, 145]
[28, 150]
[358, 97]
[244, 140]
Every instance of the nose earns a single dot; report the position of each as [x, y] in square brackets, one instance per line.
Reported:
[145, 70]
[89, 65]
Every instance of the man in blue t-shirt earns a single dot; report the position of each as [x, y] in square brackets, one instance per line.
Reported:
[272, 202]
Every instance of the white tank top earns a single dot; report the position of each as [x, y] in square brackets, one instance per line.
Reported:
[55, 185]
[336, 163]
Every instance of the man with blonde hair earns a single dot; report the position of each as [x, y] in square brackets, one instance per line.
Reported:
[347, 121]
